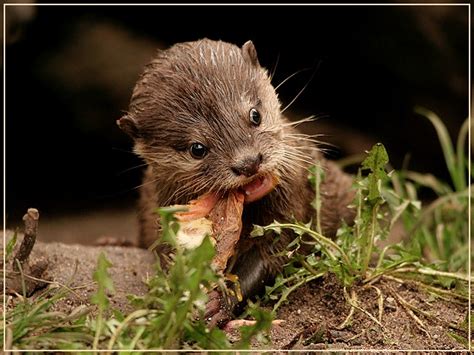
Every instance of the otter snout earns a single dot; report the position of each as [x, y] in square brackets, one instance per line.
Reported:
[248, 166]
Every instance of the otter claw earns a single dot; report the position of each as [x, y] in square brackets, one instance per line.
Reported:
[217, 311]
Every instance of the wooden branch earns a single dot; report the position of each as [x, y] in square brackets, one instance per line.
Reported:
[31, 229]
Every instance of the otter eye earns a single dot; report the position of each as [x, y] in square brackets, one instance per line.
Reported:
[255, 117]
[198, 150]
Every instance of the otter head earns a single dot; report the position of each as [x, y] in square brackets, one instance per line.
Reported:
[205, 116]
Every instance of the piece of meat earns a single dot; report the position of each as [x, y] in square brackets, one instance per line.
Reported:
[222, 218]
[198, 208]
[226, 218]
[219, 216]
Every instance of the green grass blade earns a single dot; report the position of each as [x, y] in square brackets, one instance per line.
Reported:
[446, 145]
[460, 147]
[11, 245]
[429, 181]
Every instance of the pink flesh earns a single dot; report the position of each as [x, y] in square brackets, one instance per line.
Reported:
[198, 208]
[253, 191]
[258, 188]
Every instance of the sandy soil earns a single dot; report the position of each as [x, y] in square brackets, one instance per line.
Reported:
[314, 312]
[88, 226]
[74, 264]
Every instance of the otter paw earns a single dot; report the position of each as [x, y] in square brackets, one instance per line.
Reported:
[218, 312]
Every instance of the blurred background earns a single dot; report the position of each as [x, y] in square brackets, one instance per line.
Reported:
[70, 71]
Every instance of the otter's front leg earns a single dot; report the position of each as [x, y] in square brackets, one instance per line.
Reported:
[253, 270]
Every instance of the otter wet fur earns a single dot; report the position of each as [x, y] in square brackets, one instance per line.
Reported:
[205, 118]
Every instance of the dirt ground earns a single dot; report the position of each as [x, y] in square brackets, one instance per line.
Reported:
[314, 312]
[310, 317]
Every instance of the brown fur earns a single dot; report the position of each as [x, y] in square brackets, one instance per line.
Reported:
[202, 92]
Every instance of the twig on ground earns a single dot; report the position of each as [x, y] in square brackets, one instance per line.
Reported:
[431, 272]
[380, 301]
[352, 300]
[65, 286]
[356, 336]
[31, 229]
[237, 323]
[438, 291]
[348, 319]
[432, 316]
[21, 266]
[408, 308]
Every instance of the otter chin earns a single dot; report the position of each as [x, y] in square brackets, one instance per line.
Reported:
[207, 121]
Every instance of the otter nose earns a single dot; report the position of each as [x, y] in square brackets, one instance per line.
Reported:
[248, 166]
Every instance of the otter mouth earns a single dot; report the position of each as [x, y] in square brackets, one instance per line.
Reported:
[258, 187]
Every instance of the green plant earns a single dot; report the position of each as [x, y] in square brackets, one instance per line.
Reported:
[441, 229]
[354, 257]
[104, 284]
[169, 316]
[30, 323]
[177, 296]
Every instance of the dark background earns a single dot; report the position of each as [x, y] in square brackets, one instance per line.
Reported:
[70, 72]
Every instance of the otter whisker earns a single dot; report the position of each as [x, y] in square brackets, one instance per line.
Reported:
[132, 168]
[275, 67]
[290, 76]
[312, 140]
[295, 143]
[315, 147]
[304, 151]
[306, 137]
[194, 187]
[124, 150]
[278, 128]
[303, 89]
[290, 156]
[292, 165]
[299, 163]
[146, 183]
[300, 158]
[299, 153]
[311, 118]
[316, 135]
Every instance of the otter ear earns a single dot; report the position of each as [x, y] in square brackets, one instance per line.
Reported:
[129, 126]
[250, 53]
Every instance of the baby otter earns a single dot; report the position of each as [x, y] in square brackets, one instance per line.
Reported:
[205, 118]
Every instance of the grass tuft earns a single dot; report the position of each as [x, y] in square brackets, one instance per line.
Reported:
[168, 316]
[433, 255]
